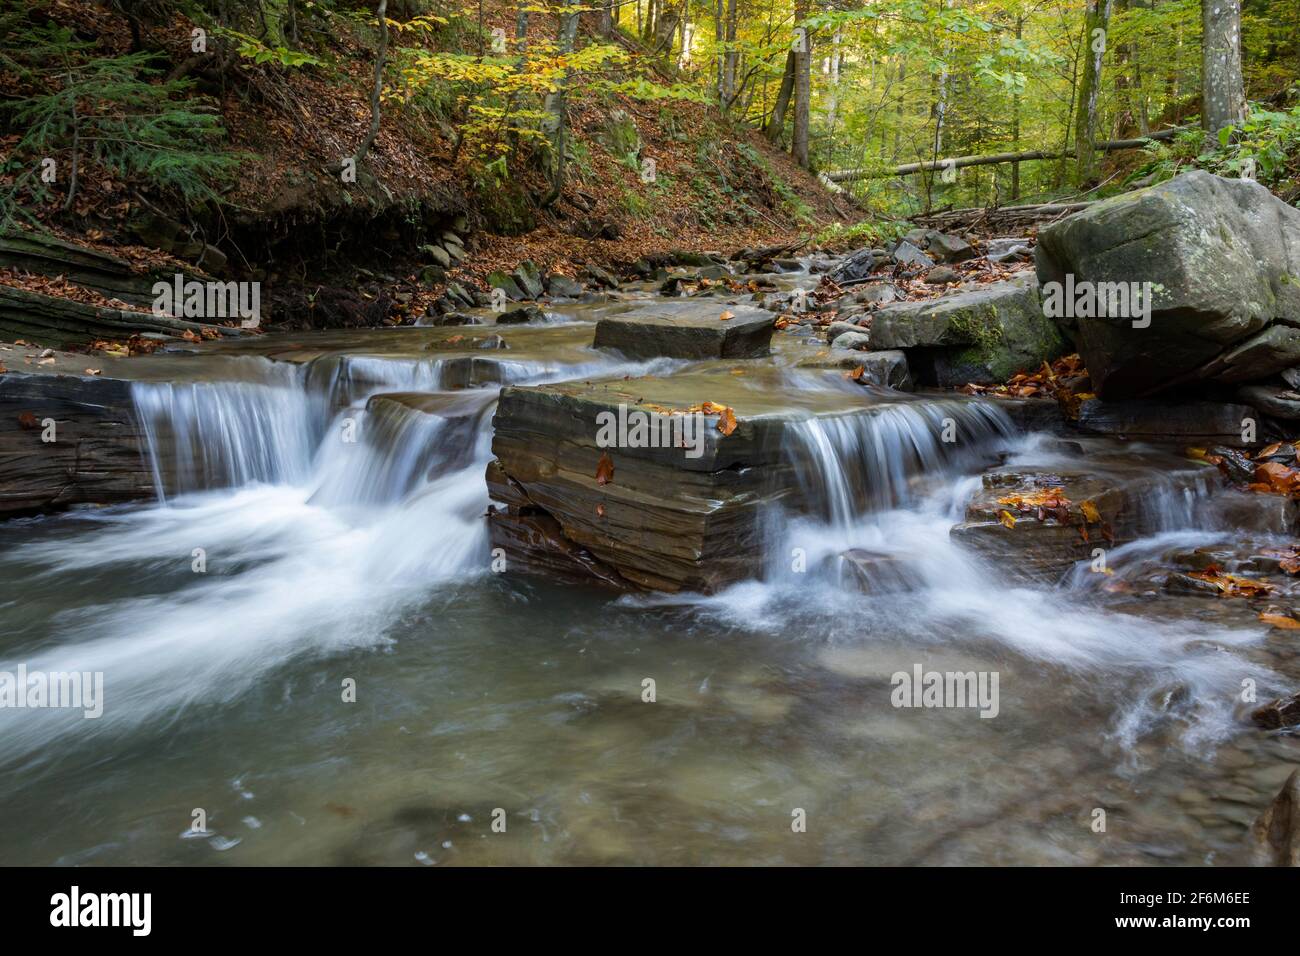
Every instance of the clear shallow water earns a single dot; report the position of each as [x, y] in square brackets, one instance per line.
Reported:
[475, 691]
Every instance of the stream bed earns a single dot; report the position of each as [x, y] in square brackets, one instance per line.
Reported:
[482, 696]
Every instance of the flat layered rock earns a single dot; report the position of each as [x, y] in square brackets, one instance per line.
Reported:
[688, 330]
[55, 322]
[689, 513]
[97, 453]
[1189, 423]
[1132, 498]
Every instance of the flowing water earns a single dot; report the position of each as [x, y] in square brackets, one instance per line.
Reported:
[312, 534]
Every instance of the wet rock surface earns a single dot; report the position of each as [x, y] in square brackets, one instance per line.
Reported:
[1107, 500]
[1275, 836]
[96, 452]
[689, 331]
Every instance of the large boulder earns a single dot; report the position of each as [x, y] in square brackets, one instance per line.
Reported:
[688, 330]
[984, 336]
[1222, 257]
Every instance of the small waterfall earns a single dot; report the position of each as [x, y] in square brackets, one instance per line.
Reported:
[221, 434]
[868, 461]
[401, 445]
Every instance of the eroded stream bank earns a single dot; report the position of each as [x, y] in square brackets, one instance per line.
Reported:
[336, 486]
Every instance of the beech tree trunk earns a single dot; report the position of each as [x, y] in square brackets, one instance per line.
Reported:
[802, 87]
[1223, 94]
[776, 125]
[1096, 22]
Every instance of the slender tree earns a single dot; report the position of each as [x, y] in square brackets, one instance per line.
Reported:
[1096, 22]
[802, 85]
[1223, 94]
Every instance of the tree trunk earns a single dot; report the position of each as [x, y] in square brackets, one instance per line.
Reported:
[729, 59]
[555, 104]
[1223, 95]
[1095, 23]
[777, 124]
[802, 87]
[1015, 124]
[833, 100]
[379, 83]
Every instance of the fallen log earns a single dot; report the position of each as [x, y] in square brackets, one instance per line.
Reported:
[999, 215]
[959, 162]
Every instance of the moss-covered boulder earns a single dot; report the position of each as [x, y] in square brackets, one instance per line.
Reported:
[984, 335]
[1222, 257]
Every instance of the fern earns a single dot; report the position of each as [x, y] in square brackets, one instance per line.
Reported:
[105, 111]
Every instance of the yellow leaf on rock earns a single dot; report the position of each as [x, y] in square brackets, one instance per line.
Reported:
[1090, 512]
[1280, 620]
[1007, 519]
[726, 421]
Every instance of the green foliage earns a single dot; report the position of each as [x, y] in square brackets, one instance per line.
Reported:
[1266, 148]
[868, 232]
[251, 48]
[106, 111]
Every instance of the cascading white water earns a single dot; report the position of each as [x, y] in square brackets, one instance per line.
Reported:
[848, 464]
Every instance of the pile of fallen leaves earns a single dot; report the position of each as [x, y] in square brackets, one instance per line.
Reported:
[1065, 380]
[60, 288]
[1052, 503]
[1231, 585]
[135, 345]
[1273, 470]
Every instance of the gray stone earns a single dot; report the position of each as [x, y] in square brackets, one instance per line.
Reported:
[601, 277]
[1008, 250]
[887, 367]
[1223, 257]
[499, 280]
[1263, 355]
[946, 248]
[1272, 400]
[528, 278]
[877, 293]
[984, 336]
[906, 254]
[856, 266]
[561, 286]
[437, 254]
[689, 330]
[942, 275]
[836, 329]
[855, 339]
[529, 313]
